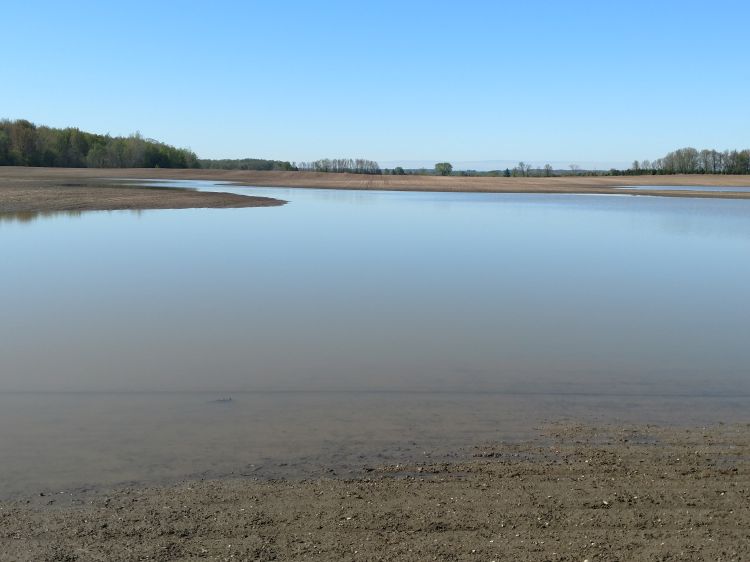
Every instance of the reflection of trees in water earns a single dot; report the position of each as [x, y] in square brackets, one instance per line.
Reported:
[31, 216]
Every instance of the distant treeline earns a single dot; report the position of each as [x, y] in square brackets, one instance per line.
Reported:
[24, 144]
[682, 161]
[332, 165]
[341, 165]
[691, 161]
[246, 164]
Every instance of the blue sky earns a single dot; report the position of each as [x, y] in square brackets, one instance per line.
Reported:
[591, 82]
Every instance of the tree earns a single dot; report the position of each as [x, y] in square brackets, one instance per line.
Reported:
[399, 171]
[681, 161]
[444, 168]
[24, 144]
[340, 165]
[522, 169]
[548, 170]
[506, 173]
[4, 149]
[575, 168]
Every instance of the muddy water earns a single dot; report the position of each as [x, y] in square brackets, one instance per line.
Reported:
[351, 328]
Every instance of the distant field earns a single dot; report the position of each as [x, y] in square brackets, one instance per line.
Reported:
[45, 189]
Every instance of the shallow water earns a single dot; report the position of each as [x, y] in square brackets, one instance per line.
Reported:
[718, 188]
[352, 328]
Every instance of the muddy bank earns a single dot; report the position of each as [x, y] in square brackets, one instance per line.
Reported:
[562, 185]
[574, 493]
[25, 196]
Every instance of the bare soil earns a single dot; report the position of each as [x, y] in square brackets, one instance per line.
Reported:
[25, 193]
[575, 493]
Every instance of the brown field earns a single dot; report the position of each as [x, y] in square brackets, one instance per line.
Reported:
[573, 494]
[68, 189]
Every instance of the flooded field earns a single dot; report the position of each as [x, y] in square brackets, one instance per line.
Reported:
[351, 328]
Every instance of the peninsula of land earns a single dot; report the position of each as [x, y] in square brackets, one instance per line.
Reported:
[32, 191]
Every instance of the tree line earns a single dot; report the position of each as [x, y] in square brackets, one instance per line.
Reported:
[687, 160]
[341, 165]
[692, 161]
[246, 164]
[23, 143]
[682, 161]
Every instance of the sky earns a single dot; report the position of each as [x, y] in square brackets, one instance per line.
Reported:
[415, 82]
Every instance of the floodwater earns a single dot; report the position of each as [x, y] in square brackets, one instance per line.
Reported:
[717, 188]
[354, 328]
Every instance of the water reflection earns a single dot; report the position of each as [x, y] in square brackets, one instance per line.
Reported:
[360, 322]
[31, 216]
[712, 188]
[383, 291]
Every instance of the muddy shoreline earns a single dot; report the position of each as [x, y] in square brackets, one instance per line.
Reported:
[25, 195]
[576, 492]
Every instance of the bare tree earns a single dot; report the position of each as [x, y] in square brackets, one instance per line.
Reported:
[547, 170]
[575, 168]
[339, 165]
[522, 169]
[681, 161]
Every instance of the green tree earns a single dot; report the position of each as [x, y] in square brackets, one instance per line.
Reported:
[444, 168]
[4, 149]
[24, 144]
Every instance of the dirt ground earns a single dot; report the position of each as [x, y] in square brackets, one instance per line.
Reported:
[575, 493]
[25, 193]
[77, 189]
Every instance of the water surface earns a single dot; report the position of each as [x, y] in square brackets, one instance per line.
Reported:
[717, 188]
[356, 327]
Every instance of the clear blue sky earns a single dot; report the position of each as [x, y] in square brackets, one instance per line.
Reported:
[574, 81]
